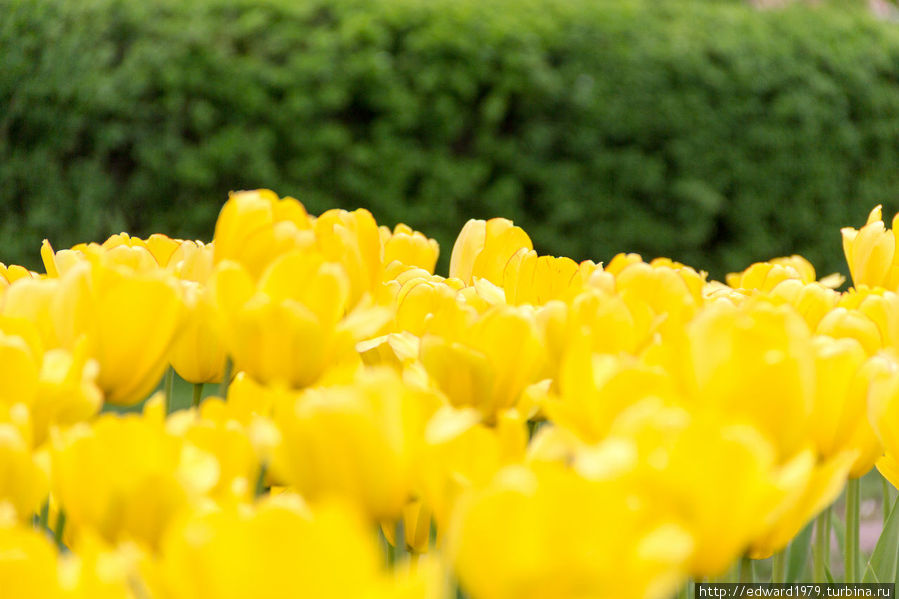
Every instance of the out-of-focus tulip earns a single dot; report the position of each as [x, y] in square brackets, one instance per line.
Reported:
[356, 442]
[352, 240]
[813, 301]
[23, 484]
[294, 325]
[754, 362]
[101, 571]
[28, 564]
[278, 550]
[255, 227]
[128, 320]
[409, 247]
[871, 253]
[198, 353]
[460, 454]
[125, 477]
[192, 261]
[825, 484]
[715, 473]
[483, 248]
[532, 279]
[853, 324]
[611, 543]
[487, 360]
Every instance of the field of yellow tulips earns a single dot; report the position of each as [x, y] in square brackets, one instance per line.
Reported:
[362, 427]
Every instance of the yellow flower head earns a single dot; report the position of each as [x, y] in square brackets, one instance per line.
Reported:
[255, 227]
[483, 248]
[871, 253]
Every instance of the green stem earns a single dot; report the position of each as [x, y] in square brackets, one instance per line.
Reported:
[822, 541]
[746, 574]
[684, 592]
[198, 394]
[226, 379]
[60, 527]
[886, 498]
[260, 480]
[779, 566]
[167, 389]
[43, 520]
[852, 526]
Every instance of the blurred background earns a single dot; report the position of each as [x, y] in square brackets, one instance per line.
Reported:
[716, 132]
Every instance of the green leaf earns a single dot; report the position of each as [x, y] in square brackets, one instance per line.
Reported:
[797, 558]
[882, 565]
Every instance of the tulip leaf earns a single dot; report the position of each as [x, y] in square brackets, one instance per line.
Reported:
[828, 575]
[882, 565]
[797, 559]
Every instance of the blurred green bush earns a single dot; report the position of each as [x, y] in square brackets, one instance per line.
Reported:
[708, 132]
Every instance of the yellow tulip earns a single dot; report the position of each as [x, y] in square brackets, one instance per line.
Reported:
[356, 442]
[532, 279]
[128, 319]
[198, 352]
[853, 324]
[255, 227]
[352, 240]
[192, 261]
[409, 247]
[99, 571]
[825, 484]
[294, 325]
[28, 564]
[871, 253]
[56, 387]
[483, 248]
[607, 540]
[487, 360]
[753, 362]
[461, 454]
[23, 484]
[812, 301]
[765, 276]
[721, 477]
[278, 550]
[214, 430]
[126, 478]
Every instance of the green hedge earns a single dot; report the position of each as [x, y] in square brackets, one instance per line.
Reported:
[708, 132]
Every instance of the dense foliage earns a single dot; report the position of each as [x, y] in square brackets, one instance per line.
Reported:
[709, 132]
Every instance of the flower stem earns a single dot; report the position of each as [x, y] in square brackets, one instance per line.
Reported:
[226, 379]
[198, 394]
[852, 526]
[779, 566]
[60, 527]
[822, 540]
[746, 574]
[260, 480]
[886, 498]
[167, 389]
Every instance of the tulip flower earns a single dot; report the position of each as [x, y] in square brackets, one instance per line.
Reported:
[485, 361]
[128, 319]
[483, 248]
[871, 253]
[607, 540]
[280, 549]
[753, 362]
[126, 478]
[409, 247]
[255, 227]
[198, 352]
[28, 564]
[292, 326]
[355, 442]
